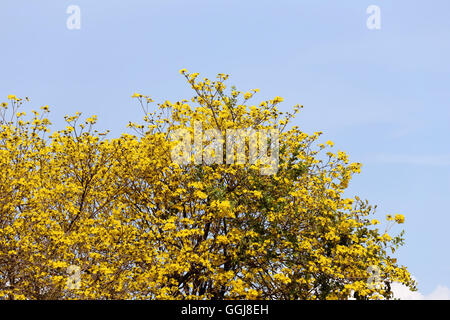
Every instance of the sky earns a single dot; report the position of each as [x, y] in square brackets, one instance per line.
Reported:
[382, 95]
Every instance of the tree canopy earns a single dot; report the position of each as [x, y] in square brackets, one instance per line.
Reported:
[85, 216]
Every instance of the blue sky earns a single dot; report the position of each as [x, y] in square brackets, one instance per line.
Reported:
[381, 95]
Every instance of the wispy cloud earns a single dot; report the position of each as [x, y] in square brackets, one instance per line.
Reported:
[421, 160]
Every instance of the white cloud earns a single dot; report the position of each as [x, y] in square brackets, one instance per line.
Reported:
[403, 293]
[440, 293]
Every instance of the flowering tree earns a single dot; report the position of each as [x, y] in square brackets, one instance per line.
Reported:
[87, 217]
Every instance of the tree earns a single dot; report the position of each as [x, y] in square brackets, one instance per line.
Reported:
[129, 221]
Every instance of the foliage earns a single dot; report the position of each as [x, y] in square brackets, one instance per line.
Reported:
[140, 226]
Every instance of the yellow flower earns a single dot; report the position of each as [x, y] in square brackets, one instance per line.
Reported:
[183, 71]
[201, 194]
[386, 237]
[225, 205]
[399, 218]
[277, 99]
[258, 194]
